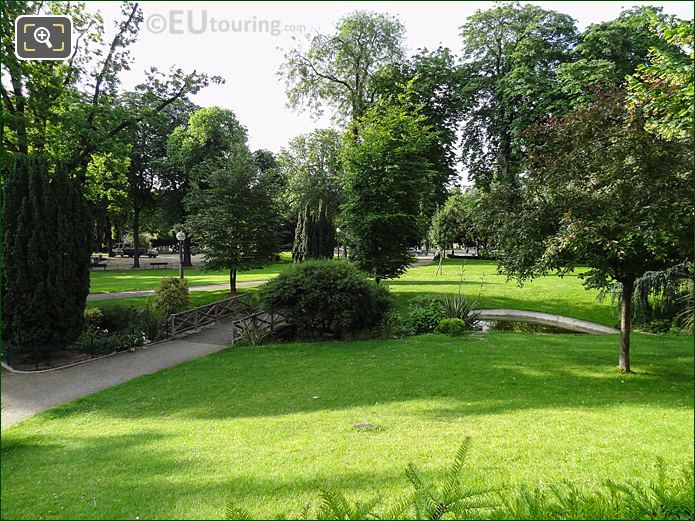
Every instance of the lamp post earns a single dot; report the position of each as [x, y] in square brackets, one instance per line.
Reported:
[181, 237]
[337, 237]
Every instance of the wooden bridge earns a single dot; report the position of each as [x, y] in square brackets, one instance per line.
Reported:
[232, 318]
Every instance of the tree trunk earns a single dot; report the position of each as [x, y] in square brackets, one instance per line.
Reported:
[187, 261]
[136, 237]
[625, 325]
[109, 237]
[232, 282]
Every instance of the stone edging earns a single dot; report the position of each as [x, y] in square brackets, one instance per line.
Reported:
[546, 319]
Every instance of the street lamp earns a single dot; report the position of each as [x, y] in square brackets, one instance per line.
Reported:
[337, 236]
[181, 237]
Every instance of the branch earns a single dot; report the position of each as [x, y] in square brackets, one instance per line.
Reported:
[325, 76]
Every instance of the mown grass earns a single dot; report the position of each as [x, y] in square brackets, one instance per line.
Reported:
[109, 281]
[551, 294]
[268, 426]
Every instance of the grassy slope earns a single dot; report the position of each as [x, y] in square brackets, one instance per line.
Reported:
[131, 280]
[551, 294]
[270, 425]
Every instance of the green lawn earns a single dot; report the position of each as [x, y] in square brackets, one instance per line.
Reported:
[196, 298]
[551, 294]
[108, 281]
[269, 425]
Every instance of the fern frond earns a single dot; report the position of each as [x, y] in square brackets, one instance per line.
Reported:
[234, 511]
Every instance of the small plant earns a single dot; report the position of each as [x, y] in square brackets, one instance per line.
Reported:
[253, 333]
[425, 315]
[171, 295]
[93, 318]
[453, 327]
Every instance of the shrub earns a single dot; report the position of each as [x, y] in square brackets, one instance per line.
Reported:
[93, 318]
[458, 306]
[326, 297]
[171, 295]
[425, 315]
[117, 318]
[452, 327]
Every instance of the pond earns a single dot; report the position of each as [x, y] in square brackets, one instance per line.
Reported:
[522, 327]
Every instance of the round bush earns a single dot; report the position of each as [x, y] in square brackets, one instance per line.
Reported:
[453, 327]
[171, 296]
[326, 298]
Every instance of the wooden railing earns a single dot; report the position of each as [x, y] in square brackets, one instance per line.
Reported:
[195, 318]
[261, 319]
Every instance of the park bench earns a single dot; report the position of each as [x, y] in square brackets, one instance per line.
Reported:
[163, 265]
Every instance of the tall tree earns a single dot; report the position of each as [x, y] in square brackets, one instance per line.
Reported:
[45, 250]
[147, 141]
[311, 166]
[601, 192]
[338, 70]
[663, 86]
[229, 206]
[607, 53]
[384, 171]
[511, 54]
[437, 83]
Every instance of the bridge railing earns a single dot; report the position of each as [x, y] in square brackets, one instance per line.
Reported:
[200, 316]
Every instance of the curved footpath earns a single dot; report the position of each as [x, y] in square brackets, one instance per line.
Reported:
[25, 394]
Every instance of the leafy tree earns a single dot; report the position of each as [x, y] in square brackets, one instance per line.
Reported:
[437, 83]
[511, 54]
[384, 172]
[147, 142]
[312, 169]
[314, 236]
[45, 256]
[229, 206]
[338, 69]
[600, 192]
[663, 86]
[609, 52]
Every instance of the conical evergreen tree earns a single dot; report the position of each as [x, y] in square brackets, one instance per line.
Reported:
[45, 257]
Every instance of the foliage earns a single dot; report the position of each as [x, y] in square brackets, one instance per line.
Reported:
[93, 318]
[338, 69]
[312, 168]
[511, 54]
[315, 235]
[607, 53]
[229, 205]
[600, 192]
[453, 327]
[662, 87]
[424, 315]
[436, 82]
[171, 295]
[253, 333]
[666, 497]
[459, 307]
[384, 170]
[326, 298]
[46, 247]
[658, 295]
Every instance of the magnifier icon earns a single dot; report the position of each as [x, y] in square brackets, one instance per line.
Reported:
[43, 35]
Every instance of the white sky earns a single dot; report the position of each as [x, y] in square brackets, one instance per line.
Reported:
[249, 60]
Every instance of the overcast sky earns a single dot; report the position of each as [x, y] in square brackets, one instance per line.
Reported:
[249, 59]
